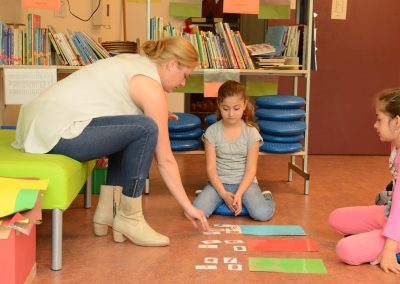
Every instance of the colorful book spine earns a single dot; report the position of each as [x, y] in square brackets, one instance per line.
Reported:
[97, 47]
[219, 27]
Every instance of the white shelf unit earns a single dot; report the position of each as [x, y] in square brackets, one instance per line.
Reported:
[293, 166]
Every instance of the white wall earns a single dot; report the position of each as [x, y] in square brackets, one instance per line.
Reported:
[12, 11]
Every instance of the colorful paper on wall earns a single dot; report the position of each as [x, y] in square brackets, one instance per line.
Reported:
[42, 4]
[303, 245]
[19, 194]
[185, 10]
[144, 1]
[241, 7]
[271, 11]
[288, 265]
[194, 84]
[276, 2]
[261, 86]
[213, 79]
[292, 3]
[274, 230]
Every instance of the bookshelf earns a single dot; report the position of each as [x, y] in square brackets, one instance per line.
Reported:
[294, 166]
[298, 161]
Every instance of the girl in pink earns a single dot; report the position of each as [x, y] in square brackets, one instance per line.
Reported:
[373, 232]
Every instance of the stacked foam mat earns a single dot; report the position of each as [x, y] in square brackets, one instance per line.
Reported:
[185, 132]
[280, 118]
[210, 119]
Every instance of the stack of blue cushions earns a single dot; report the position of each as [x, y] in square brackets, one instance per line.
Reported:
[280, 118]
[185, 132]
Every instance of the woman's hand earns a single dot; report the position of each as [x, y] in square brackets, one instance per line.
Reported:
[172, 116]
[237, 204]
[194, 214]
[228, 199]
[387, 258]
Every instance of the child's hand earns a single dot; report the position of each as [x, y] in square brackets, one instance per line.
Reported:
[237, 204]
[228, 199]
[387, 258]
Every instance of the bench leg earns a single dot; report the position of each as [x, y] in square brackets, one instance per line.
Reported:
[88, 192]
[147, 186]
[56, 239]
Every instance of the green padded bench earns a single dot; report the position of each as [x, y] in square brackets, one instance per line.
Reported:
[66, 177]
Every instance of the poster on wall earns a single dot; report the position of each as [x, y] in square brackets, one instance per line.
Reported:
[23, 85]
[339, 9]
[213, 79]
[42, 4]
[241, 7]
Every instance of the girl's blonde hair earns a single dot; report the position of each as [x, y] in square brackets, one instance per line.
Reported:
[230, 89]
[162, 51]
[390, 99]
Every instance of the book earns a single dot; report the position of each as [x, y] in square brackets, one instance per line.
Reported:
[219, 28]
[97, 47]
[245, 53]
[34, 22]
[75, 50]
[260, 48]
[60, 57]
[231, 41]
[276, 36]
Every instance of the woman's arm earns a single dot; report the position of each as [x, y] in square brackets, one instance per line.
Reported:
[212, 173]
[150, 97]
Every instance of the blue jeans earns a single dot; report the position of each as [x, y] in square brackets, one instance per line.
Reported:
[129, 142]
[258, 207]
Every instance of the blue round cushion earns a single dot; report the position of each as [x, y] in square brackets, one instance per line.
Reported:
[211, 119]
[185, 122]
[185, 145]
[280, 114]
[224, 210]
[280, 148]
[280, 101]
[186, 135]
[282, 128]
[282, 139]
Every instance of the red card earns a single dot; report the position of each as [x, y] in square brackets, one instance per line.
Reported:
[282, 245]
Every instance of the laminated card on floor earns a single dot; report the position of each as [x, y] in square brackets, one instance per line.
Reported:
[275, 230]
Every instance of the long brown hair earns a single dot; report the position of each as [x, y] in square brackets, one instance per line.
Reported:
[390, 99]
[180, 48]
[230, 89]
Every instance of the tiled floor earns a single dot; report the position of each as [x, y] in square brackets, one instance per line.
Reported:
[336, 181]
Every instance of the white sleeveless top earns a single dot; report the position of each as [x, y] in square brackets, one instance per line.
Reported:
[67, 107]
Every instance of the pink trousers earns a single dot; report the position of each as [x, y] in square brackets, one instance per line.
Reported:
[364, 224]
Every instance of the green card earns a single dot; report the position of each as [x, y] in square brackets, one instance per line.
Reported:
[288, 265]
[25, 200]
[185, 10]
[271, 11]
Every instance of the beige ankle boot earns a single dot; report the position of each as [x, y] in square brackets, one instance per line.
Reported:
[109, 200]
[129, 223]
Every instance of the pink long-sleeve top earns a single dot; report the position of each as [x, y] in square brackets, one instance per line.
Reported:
[392, 227]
